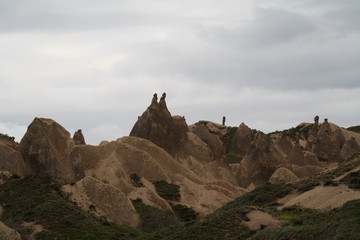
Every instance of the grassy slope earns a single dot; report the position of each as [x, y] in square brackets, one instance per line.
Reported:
[38, 198]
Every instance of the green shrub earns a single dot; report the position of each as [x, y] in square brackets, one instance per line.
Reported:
[352, 180]
[227, 138]
[168, 191]
[308, 184]
[153, 219]
[184, 213]
[7, 137]
[354, 128]
[233, 159]
[39, 199]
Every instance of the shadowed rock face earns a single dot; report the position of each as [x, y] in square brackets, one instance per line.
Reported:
[241, 141]
[212, 140]
[11, 160]
[79, 137]
[46, 147]
[157, 125]
[325, 143]
[260, 161]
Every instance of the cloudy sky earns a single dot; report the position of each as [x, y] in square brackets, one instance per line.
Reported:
[94, 65]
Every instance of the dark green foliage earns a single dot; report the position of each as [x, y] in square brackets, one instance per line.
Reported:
[225, 223]
[233, 159]
[354, 128]
[352, 180]
[7, 137]
[153, 219]
[136, 181]
[38, 198]
[321, 159]
[261, 196]
[307, 184]
[184, 213]
[341, 223]
[228, 137]
[168, 191]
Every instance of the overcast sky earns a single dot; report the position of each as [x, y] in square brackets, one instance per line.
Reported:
[94, 65]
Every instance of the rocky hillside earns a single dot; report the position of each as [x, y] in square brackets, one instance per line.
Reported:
[169, 173]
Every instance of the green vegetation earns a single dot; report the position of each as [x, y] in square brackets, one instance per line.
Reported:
[153, 219]
[341, 223]
[39, 199]
[354, 128]
[352, 180]
[308, 184]
[184, 213]
[228, 137]
[296, 133]
[7, 137]
[232, 159]
[168, 191]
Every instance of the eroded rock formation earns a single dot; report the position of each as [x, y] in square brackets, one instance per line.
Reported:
[79, 137]
[157, 125]
[241, 141]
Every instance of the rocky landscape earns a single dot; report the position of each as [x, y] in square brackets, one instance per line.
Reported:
[171, 180]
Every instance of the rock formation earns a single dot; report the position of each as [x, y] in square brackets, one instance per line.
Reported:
[157, 125]
[79, 137]
[260, 161]
[46, 148]
[325, 143]
[350, 147]
[11, 160]
[241, 141]
[211, 140]
[100, 176]
[283, 175]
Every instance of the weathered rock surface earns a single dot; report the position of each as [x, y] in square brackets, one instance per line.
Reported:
[157, 125]
[241, 141]
[79, 137]
[11, 160]
[212, 140]
[46, 147]
[104, 199]
[7, 233]
[350, 147]
[260, 162]
[283, 175]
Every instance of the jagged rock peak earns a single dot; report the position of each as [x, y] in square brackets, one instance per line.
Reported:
[157, 125]
[79, 138]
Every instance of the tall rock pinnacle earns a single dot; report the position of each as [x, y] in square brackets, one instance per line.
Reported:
[157, 125]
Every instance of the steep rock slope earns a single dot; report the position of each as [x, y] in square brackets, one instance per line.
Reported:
[11, 160]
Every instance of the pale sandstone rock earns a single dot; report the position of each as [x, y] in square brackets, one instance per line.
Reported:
[7, 233]
[283, 175]
[108, 200]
